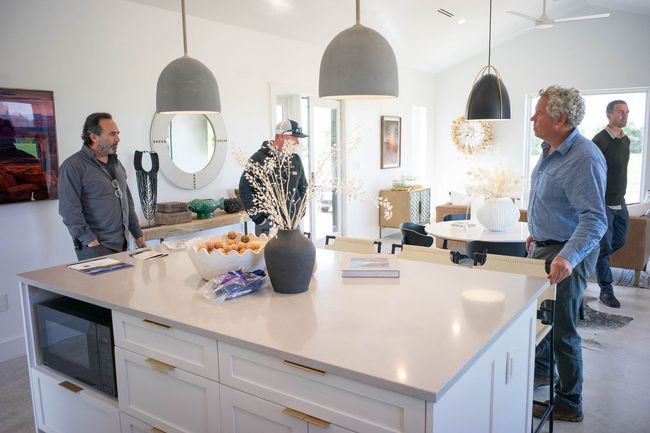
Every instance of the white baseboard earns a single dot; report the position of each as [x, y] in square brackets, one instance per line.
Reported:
[12, 348]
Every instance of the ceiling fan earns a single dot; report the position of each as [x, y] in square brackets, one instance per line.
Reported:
[546, 22]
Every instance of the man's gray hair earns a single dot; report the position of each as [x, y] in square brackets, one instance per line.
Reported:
[565, 100]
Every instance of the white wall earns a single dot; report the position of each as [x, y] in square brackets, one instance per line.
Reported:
[106, 56]
[598, 54]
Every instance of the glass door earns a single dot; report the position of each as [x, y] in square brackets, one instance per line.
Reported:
[324, 125]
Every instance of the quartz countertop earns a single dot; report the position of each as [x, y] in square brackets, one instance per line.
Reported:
[415, 334]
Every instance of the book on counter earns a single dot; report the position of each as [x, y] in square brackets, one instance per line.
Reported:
[379, 265]
[99, 266]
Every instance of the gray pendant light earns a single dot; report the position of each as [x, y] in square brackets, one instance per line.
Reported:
[489, 98]
[358, 63]
[187, 85]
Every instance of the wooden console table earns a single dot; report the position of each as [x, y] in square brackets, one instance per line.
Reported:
[196, 225]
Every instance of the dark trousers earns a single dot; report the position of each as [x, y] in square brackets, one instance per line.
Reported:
[613, 240]
[86, 252]
[567, 342]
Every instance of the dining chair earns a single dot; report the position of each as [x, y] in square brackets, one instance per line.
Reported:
[352, 245]
[545, 314]
[454, 217]
[425, 254]
[516, 249]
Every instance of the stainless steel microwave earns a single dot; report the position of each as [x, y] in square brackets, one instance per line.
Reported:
[76, 339]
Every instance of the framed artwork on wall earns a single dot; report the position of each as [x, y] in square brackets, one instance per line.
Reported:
[391, 141]
[29, 164]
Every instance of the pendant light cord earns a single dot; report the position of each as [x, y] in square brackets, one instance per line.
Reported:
[489, 36]
[185, 29]
[358, 11]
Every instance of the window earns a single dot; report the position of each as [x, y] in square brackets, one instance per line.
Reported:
[595, 120]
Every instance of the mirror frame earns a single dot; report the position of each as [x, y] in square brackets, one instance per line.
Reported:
[158, 139]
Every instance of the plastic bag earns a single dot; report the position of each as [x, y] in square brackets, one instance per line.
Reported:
[233, 285]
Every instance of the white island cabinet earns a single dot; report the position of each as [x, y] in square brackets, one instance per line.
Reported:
[442, 349]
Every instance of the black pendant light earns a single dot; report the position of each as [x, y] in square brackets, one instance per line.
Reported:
[489, 98]
[187, 85]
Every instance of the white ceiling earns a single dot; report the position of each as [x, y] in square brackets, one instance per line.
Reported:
[421, 38]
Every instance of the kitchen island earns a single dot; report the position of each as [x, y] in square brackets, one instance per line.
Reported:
[443, 348]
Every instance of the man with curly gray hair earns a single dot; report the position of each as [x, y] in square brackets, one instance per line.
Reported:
[566, 220]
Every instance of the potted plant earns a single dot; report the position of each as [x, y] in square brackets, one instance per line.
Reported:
[499, 188]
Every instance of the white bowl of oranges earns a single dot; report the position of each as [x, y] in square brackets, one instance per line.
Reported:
[215, 255]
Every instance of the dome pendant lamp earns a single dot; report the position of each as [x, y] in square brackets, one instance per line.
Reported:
[187, 85]
[358, 63]
[489, 98]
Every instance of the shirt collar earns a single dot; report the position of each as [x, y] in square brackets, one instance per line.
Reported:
[566, 145]
[611, 133]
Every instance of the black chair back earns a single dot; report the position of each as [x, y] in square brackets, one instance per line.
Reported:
[415, 234]
[516, 249]
[456, 217]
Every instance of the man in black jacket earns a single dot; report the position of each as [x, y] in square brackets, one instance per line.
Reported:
[615, 145]
[286, 132]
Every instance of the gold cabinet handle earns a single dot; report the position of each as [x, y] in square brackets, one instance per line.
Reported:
[304, 367]
[159, 364]
[156, 430]
[151, 322]
[71, 386]
[304, 417]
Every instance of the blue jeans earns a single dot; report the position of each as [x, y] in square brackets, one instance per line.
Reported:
[613, 240]
[567, 342]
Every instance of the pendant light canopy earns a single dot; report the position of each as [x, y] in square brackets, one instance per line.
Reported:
[187, 85]
[358, 63]
[489, 98]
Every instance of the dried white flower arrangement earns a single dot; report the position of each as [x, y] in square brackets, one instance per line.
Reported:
[285, 206]
[494, 183]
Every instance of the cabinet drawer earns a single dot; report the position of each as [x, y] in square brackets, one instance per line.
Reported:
[167, 398]
[340, 401]
[62, 410]
[187, 351]
[244, 413]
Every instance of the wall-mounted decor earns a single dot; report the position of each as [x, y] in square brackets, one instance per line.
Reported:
[470, 137]
[29, 163]
[391, 141]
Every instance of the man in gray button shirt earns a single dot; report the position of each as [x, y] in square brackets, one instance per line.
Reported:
[94, 198]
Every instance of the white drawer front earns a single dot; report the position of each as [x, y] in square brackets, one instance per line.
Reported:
[185, 350]
[132, 425]
[353, 405]
[60, 410]
[172, 400]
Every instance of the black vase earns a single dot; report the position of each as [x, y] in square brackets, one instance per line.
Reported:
[290, 259]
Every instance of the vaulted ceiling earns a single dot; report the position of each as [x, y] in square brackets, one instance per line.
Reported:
[422, 38]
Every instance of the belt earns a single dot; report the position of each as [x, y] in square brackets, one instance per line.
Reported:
[549, 242]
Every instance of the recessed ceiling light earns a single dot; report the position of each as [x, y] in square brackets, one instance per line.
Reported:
[462, 21]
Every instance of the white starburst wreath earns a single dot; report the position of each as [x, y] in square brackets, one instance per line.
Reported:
[471, 137]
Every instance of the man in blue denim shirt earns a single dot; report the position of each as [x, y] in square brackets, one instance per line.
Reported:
[566, 219]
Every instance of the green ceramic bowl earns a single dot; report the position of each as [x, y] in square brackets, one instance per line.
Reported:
[203, 207]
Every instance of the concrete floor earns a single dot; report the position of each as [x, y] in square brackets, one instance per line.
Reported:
[616, 385]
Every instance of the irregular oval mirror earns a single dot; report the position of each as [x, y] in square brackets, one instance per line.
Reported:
[191, 147]
[190, 142]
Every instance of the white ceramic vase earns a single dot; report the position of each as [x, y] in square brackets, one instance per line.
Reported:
[498, 214]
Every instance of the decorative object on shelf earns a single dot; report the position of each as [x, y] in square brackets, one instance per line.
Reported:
[187, 85]
[172, 212]
[213, 255]
[471, 137]
[391, 140]
[290, 259]
[147, 183]
[203, 207]
[489, 98]
[29, 165]
[286, 208]
[498, 212]
[358, 63]
[231, 205]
